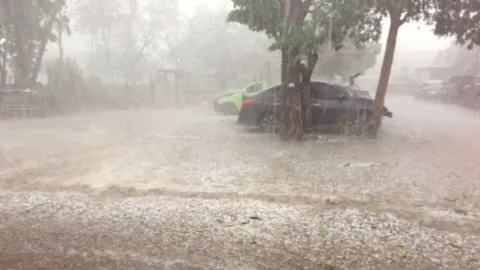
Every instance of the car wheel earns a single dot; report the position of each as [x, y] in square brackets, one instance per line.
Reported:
[268, 123]
[361, 125]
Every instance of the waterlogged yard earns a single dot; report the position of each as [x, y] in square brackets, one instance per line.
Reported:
[187, 189]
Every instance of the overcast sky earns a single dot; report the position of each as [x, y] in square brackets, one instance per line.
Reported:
[412, 37]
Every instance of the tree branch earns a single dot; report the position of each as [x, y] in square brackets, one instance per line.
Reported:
[409, 12]
[307, 70]
[305, 8]
[146, 43]
[390, 6]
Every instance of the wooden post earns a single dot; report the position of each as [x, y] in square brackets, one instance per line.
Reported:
[126, 93]
[175, 81]
[152, 91]
[166, 89]
[269, 73]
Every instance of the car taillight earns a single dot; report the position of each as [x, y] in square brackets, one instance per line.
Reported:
[246, 101]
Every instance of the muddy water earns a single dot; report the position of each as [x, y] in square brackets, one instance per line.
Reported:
[423, 168]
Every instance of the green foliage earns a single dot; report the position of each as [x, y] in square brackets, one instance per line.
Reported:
[259, 16]
[327, 20]
[352, 22]
[26, 20]
[28, 27]
[405, 10]
[460, 19]
[127, 37]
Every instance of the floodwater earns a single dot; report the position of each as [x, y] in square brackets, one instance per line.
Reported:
[188, 189]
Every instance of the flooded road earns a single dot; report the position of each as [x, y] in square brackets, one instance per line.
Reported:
[187, 189]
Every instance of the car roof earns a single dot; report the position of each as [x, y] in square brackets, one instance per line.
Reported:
[312, 82]
[273, 88]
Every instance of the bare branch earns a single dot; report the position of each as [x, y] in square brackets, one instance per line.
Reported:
[146, 42]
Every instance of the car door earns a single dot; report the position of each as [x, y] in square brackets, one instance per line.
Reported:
[327, 108]
[318, 104]
[267, 101]
[341, 104]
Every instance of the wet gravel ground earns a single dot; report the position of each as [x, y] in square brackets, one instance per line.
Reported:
[187, 189]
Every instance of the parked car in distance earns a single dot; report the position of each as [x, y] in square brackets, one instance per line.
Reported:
[430, 90]
[231, 102]
[331, 104]
[454, 89]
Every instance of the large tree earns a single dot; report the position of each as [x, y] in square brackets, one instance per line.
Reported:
[459, 19]
[96, 19]
[210, 45]
[299, 28]
[399, 12]
[129, 34]
[28, 27]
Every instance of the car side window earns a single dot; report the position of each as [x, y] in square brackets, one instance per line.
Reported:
[340, 91]
[254, 88]
[268, 95]
[317, 91]
[326, 91]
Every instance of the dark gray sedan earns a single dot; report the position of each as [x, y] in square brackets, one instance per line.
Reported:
[332, 105]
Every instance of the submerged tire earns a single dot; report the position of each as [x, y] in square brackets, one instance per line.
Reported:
[361, 124]
[267, 123]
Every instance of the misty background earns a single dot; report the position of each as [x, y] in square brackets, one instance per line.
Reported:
[187, 36]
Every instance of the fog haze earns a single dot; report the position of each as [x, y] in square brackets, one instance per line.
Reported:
[412, 36]
[153, 143]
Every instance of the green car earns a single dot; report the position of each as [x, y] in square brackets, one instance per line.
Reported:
[230, 103]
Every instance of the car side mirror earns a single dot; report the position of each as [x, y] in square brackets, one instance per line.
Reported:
[342, 98]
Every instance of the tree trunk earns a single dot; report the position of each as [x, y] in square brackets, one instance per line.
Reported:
[284, 66]
[379, 101]
[4, 34]
[306, 90]
[43, 46]
[292, 117]
[21, 61]
[109, 53]
[60, 45]
[3, 69]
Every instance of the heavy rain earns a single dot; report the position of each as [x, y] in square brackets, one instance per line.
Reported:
[229, 134]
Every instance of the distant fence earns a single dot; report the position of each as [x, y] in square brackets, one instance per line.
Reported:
[159, 92]
[20, 103]
[174, 87]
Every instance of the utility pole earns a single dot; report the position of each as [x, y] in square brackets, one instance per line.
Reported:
[476, 62]
[269, 73]
[330, 34]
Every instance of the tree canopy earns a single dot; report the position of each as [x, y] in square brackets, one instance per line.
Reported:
[301, 30]
[27, 27]
[126, 35]
[210, 45]
[459, 19]
[321, 22]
